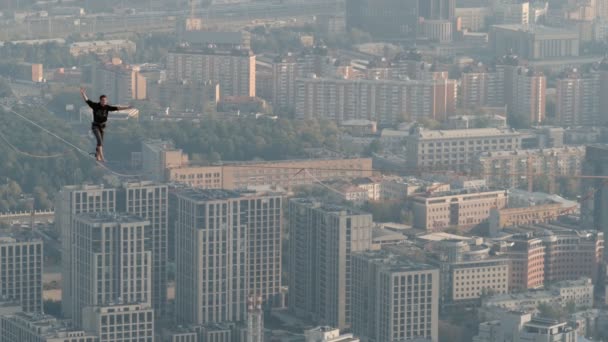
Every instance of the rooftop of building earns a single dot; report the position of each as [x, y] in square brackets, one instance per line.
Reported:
[560, 229]
[476, 116]
[581, 282]
[463, 133]
[357, 122]
[538, 295]
[535, 29]
[222, 326]
[109, 217]
[142, 184]
[544, 323]
[441, 236]
[48, 326]
[394, 262]
[84, 187]
[158, 143]
[213, 37]
[394, 226]
[534, 152]
[403, 82]
[393, 133]
[366, 180]
[212, 51]
[293, 161]
[59, 41]
[324, 328]
[459, 192]
[380, 234]
[101, 43]
[206, 195]
[328, 207]
[536, 198]
[121, 307]
[347, 187]
[6, 302]
[18, 236]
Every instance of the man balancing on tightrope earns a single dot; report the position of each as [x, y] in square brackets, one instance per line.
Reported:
[100, 116]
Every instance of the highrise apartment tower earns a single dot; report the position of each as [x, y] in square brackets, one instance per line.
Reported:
[21, 272]
[112, 261]
[228, 244]
[71, 201]
[322, 239]
[149, 201]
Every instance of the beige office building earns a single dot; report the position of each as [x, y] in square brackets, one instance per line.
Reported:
[460, 208]
[322, 239]
[456, 149]
[21, 271]
[287, 174]
[468, 271]
[112, 261]
[472, 279]
[387, 286]
[228, 245]
[71, 201]
[162, 162]
[233, 70]
[508, 217]
[37, 327]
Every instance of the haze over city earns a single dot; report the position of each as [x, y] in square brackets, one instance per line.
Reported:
[303, 170]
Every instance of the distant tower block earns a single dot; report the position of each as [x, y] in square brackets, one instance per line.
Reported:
[193, 23]
[255, 319]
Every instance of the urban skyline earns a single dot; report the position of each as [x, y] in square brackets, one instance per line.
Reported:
[303, 171]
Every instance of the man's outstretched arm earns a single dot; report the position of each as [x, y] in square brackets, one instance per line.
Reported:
[83, 93]
[115, 108]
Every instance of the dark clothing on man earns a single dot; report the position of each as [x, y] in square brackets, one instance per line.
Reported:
[100, 113]
[100, 116]
[98, 133]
